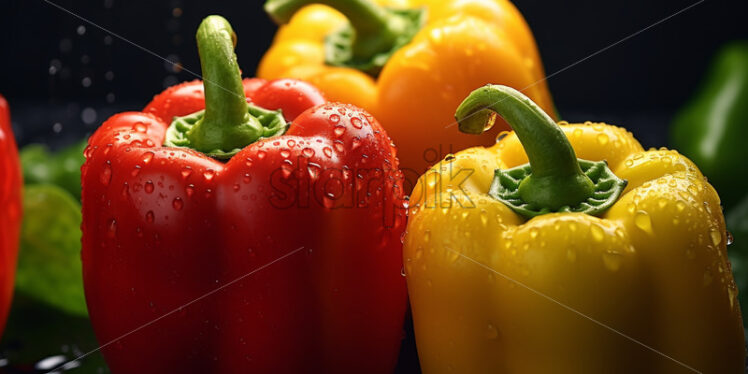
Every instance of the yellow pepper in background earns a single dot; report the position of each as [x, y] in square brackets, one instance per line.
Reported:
[409, 63]
[510, 269]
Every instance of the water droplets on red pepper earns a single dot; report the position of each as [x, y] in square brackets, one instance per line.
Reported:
[106, 174]
[147, 157]
[209, 174]
[186, 172]
[140, 127]
[355, 143]
[112, 228]
[177, 203]
[189, 190]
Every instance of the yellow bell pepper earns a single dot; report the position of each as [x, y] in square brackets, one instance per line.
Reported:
[556, 267]
[408, 62]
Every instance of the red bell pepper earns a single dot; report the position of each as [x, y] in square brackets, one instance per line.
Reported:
[285, 258]
[10, 213]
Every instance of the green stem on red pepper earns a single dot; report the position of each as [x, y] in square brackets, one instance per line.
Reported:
[555, 179]
[373, 35]
[228, 122]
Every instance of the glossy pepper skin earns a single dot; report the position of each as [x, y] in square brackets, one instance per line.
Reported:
[711, 129]
[494, 292]
[283, 259]
[10, 214]
[462, 45]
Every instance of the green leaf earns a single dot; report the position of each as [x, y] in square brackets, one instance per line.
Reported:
[49, 265]
[62, 168]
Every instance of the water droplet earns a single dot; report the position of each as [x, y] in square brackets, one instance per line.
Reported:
[426, 236]
[140, 127]
[533, 233]
[177, 203]
[149, 216]
[186, 172]
[680, 206]
[356, 122]
[106, 175]
[732, 293]
[334, 118]
[602, 139]
[112, 229]
[285, 153]
[643, 221]
[189, 190]
[313, 170]
[502, 135]
[261, 154]
[402, 271]
[209, 174]
[125, 190]
[662, 202]
[716, 236]
[327, 151]
[730, 238]
[355, 143]
[449, 158]
[148, 188]
[612, 260]
[597, 233]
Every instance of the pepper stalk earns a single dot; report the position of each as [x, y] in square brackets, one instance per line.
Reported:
[555, 180]
[228, 122]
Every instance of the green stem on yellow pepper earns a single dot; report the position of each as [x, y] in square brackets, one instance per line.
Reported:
[555, 180]
[377, 31]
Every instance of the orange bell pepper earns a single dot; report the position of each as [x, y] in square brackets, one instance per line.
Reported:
[409, 62]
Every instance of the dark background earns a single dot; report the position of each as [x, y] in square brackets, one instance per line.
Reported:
[63, 76]
[58, 69]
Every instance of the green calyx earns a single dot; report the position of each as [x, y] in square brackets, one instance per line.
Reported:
[373, 35]
[228, 122]
[555, 180]
[261, 123]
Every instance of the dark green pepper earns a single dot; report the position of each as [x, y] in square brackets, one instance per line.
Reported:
[712, 129]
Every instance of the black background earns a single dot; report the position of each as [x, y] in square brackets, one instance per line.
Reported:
[63, 76]
[638, 83]
[653, 71]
